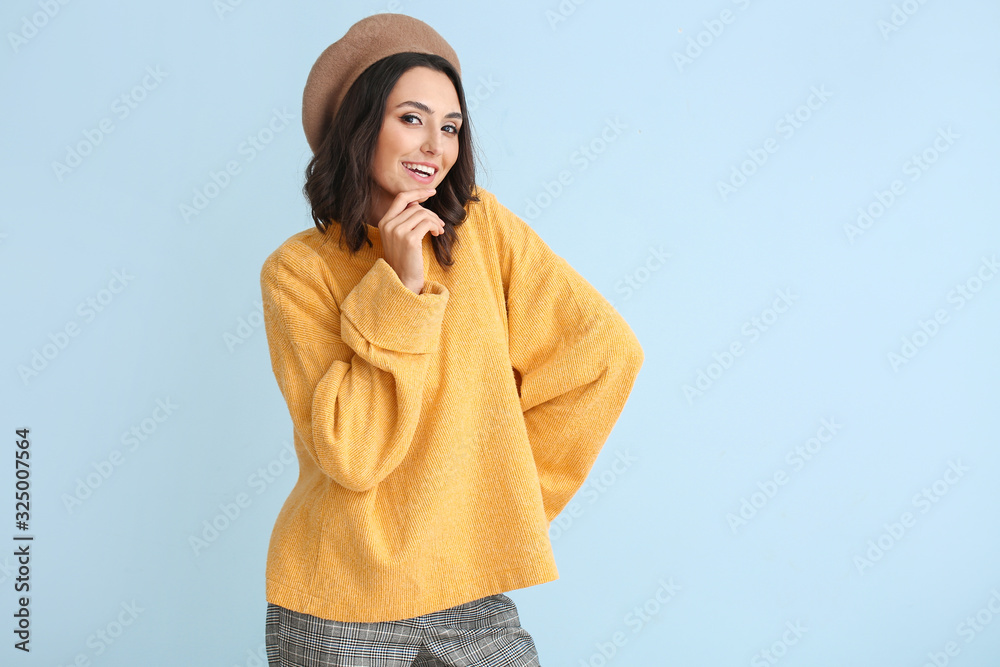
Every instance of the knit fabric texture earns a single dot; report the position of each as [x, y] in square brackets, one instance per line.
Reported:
[438, 434]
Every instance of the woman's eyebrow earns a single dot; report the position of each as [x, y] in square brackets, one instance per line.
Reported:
[423, 107]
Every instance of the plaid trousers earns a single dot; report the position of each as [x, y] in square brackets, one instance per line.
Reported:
[482, 633]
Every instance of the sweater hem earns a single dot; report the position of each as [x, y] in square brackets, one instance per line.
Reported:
[502, 581]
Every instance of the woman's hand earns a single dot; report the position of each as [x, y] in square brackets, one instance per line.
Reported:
[402, 230]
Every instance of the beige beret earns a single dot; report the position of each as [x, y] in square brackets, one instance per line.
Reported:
[366, 42]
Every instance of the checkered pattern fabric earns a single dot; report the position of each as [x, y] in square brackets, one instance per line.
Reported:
[482, 633]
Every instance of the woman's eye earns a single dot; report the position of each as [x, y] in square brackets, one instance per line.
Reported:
[413, 119]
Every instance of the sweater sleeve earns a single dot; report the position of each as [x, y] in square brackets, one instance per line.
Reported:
[576, 357]
[352, 374]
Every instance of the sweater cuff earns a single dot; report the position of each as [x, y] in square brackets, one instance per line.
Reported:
[389, 315]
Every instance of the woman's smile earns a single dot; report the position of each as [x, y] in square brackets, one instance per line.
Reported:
[423, 172]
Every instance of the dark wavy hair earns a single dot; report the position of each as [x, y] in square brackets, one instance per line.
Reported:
[339, 183]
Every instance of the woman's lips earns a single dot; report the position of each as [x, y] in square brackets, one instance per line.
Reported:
[418, 176]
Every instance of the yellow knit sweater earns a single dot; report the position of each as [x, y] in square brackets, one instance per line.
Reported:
[438, 434]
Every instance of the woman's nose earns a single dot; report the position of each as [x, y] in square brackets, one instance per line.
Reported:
[432, 144]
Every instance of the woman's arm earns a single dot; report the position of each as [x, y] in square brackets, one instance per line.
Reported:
[352, 373]
[576, 356]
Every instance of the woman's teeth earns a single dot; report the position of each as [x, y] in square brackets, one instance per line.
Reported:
[421, 169]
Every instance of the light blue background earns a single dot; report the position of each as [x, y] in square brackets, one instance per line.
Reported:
[543, 88]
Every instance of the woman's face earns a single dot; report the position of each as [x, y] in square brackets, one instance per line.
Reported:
[418, 142]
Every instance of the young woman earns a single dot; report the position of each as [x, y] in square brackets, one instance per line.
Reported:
[450, 379]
